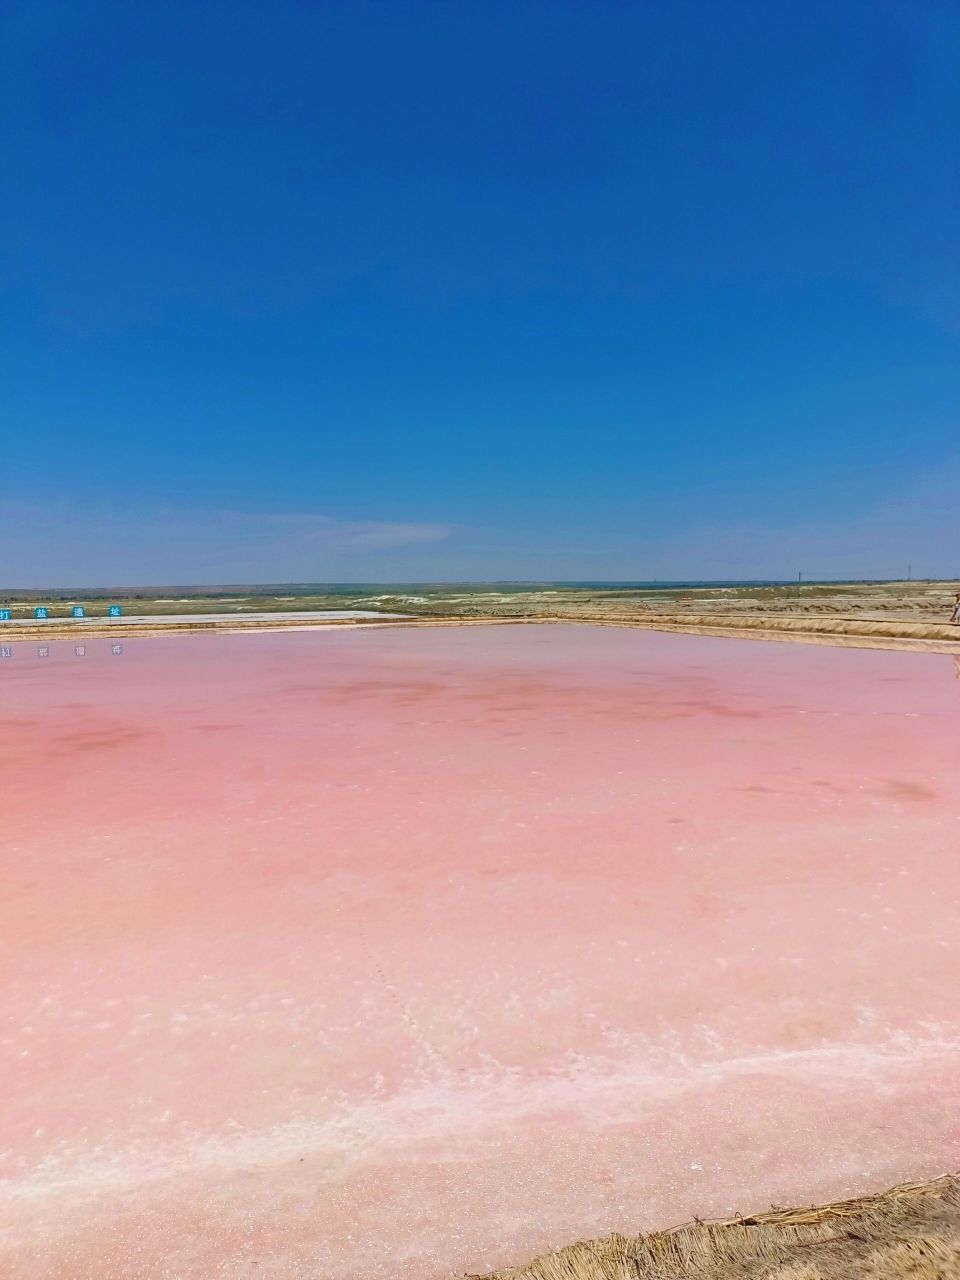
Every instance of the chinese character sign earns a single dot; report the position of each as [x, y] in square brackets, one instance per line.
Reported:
[77, 611]
[4, 615]
[40, 612]
[114, 611]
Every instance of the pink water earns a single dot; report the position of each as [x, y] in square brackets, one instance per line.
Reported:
[400, 954]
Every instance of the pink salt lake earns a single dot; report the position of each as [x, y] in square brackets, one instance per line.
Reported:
[365, 953]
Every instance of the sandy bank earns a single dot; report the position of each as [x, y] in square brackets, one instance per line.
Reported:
[887, 633]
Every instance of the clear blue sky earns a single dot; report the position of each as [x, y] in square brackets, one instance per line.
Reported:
[385, 291]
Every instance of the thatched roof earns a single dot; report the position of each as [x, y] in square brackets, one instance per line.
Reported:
[911, 1231]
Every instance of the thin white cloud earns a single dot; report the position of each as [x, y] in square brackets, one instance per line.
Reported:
[918, 531]
[58, 543]
[310, 528]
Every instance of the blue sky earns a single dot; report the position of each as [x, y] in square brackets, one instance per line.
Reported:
[393, 291]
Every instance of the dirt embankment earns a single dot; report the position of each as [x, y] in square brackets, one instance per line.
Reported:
[865, 615]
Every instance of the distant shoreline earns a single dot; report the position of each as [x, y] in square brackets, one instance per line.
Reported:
[901, 635]
[154, 591]
[902, 615]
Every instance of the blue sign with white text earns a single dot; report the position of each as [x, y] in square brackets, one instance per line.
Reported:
[114, 611]
[40, 613]
[77, 611]
[4, 615]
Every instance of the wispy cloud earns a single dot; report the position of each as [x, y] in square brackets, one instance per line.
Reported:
[310, 529]
[918, 529]
[58, 542]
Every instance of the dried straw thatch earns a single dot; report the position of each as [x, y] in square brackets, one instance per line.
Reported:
[910, 1231]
